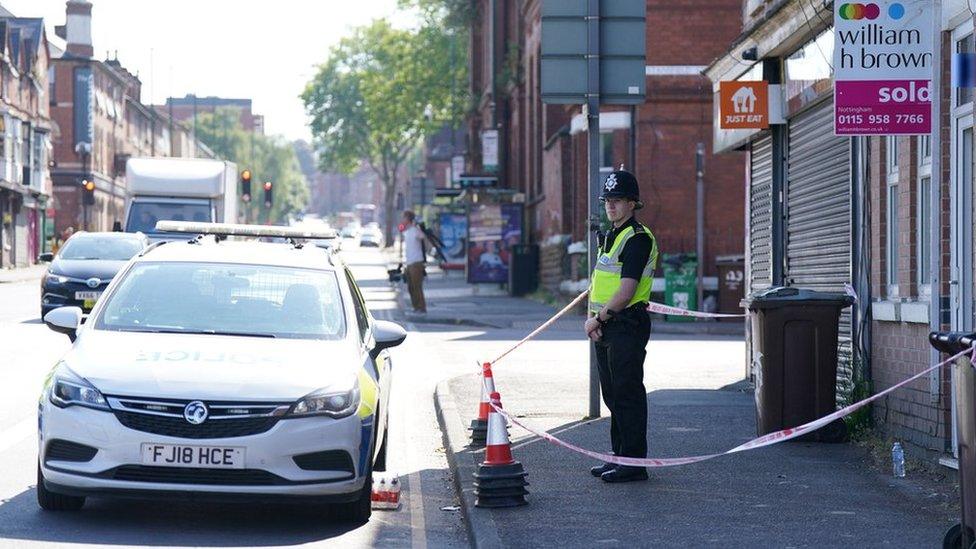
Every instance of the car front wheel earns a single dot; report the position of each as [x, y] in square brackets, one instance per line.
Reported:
[50, 501]
[359, 511]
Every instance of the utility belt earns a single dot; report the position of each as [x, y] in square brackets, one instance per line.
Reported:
[631, 315]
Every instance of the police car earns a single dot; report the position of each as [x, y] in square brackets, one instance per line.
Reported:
[220, 369]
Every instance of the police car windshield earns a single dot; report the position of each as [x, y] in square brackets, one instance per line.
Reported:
[111, 248]
[226, 299]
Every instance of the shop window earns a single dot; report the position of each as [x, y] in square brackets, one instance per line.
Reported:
[809, 71]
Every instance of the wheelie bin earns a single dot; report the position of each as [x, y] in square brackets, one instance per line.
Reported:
[794, 347]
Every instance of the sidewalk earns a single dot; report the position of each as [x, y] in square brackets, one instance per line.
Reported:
[789, 495]
[451, 300]
[22, 274]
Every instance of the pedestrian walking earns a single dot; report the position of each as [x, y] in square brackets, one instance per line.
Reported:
[413, 250]
[618, 324]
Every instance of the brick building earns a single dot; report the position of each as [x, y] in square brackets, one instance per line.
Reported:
[185, 109]
[825, 211]
[25, 137]
[542, 148]
[102, 122]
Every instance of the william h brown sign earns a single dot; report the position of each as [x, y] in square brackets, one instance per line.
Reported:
[744, 105]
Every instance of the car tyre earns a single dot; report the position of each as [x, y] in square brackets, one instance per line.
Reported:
[50, 501]
[359, 511]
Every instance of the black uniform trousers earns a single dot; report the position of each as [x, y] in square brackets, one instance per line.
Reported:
[620, 358]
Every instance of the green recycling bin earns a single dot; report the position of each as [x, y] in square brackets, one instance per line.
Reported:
[680, 283]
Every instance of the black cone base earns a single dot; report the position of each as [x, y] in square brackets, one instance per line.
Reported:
[479, 432]
[500, 486]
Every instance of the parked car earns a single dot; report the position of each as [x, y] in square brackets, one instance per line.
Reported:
[84, 267]
[220, 370]
[371, 237]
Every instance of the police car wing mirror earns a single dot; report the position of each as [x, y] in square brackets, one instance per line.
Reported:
[64, 320]
[386, 334]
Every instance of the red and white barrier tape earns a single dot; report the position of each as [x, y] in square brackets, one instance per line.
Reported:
[663, 309]
[545, 325]
[759, 442]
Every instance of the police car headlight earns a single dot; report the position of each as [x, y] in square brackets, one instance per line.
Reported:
[67, 388]
[329, 401]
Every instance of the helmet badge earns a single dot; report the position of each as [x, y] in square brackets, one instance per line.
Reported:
[611, 183]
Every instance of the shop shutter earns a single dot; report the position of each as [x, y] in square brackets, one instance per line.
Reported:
[761, 215]
[818, 218]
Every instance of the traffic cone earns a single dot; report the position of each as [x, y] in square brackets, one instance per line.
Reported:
[479, 425]
[500, 480]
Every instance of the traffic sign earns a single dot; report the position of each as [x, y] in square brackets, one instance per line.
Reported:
[622, 51]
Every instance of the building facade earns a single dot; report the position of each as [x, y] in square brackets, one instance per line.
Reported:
[186, 109]
[826, 212]
[25, 132]
[542, 149]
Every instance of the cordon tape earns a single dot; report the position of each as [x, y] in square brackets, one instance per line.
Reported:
[758, 442]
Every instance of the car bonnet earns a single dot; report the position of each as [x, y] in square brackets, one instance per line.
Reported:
[212, 367]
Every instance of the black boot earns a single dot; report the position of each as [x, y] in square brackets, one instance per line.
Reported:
[600, 469]
[625, 473]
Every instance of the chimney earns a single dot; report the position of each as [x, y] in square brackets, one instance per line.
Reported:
[78, 28]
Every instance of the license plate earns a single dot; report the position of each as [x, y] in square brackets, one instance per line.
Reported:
[87, 296]
[176, 455]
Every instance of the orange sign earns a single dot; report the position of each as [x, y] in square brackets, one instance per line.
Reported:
[744, 105]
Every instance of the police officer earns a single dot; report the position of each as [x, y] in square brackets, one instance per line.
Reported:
[618, 323]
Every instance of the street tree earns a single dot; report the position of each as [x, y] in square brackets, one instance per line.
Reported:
[379, 91]
[268, 158]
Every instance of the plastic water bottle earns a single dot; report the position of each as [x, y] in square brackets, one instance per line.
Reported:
[394, 498]
[898, 460]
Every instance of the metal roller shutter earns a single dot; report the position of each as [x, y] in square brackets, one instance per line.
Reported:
[818, 218]
[761, 215]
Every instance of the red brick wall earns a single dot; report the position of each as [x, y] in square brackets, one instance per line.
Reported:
[901, 349]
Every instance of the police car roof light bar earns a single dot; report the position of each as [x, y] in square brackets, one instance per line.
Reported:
[235, 229]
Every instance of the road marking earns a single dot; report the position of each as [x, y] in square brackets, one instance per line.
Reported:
[418, 523]
[18, 433]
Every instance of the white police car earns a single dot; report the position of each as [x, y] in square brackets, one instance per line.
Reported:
[220, 369]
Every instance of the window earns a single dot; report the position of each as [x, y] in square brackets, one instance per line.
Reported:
[891, 214]
[923, 217]
[362, 318]
[224, 299]
[967, 44]
[606, 152]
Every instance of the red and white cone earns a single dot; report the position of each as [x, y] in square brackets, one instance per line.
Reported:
[500, 480]
[479, 425]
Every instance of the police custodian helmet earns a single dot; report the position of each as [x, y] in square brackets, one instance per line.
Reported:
[621, 184]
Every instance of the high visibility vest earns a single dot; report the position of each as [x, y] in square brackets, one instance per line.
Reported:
[606, 275]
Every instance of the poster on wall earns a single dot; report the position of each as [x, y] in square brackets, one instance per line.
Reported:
[493, 230]
[883, 63]
[454, 236]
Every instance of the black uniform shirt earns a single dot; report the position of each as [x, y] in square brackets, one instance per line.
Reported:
[636, 252]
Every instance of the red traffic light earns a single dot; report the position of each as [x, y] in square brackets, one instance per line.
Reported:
[267, 185]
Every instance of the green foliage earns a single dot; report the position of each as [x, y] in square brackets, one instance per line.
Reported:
[452, 14]
[860, 422]
[379, 91]
[268, 158]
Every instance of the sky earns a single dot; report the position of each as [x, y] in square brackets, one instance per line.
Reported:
[265, 51]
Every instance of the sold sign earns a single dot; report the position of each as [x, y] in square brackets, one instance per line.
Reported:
[883, 65]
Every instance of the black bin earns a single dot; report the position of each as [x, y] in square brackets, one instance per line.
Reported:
[964, 394]
[523, 273]
[794, 347]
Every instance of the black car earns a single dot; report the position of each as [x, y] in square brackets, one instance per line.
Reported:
[84, 266]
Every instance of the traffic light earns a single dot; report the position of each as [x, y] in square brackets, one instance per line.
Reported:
[87, 192]
[267, 193]
[246, 186]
